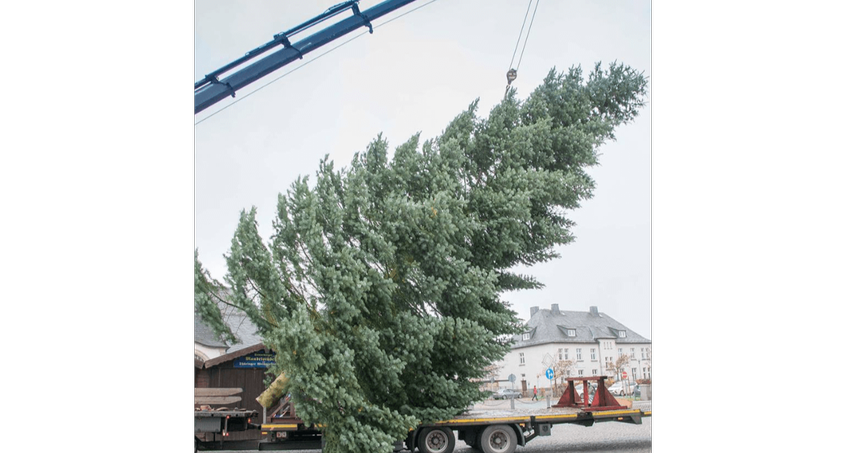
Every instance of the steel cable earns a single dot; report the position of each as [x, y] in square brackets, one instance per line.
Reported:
[511, 75]
[527, 34]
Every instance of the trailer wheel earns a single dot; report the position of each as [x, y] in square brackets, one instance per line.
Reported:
[436, 440]
[498, 439]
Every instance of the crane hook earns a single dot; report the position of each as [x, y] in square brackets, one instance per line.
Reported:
[511, 75]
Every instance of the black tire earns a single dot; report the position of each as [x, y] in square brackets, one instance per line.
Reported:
[498, 439]
[436, 440]
[409, 442]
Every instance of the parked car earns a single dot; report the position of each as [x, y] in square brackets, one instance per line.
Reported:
[621, 388]
[502, 394]
[580, 388]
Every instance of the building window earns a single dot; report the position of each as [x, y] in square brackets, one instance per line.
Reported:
[567, 354]
[642, 353]
[620, 352]
[581, 372]
[522, 358]
[594, 372]
[621, 334]
[571, 332]
[578, 353]
[634, 373]
[632, 355]
[560, 354]
[593, 354]
[527, 336]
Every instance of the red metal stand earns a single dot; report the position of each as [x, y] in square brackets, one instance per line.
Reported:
[569, 398]
[603, 400]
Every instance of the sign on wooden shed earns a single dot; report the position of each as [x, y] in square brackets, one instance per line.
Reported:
[256, 360]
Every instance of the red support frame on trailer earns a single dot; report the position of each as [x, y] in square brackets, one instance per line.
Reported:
[603, 400]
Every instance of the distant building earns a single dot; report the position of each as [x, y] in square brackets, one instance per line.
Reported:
[593, 341]
[208, 346]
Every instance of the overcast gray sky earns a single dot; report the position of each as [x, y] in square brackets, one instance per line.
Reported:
[415, 74]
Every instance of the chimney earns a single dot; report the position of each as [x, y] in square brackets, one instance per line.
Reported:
[555, 309]
[532, 311]
[594, 311]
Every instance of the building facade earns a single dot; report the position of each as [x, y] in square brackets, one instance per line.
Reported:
[592, 342]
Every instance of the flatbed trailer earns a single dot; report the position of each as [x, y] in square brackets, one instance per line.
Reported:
[223, 425]
[488, 431]
[219, 427]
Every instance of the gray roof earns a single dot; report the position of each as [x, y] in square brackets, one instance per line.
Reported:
[244, 330]
[238, 323]
[548, 327]
[204, 334]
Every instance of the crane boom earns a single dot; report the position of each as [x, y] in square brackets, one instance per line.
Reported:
[211, 89]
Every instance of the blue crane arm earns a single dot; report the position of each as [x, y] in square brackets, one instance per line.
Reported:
[211, 89]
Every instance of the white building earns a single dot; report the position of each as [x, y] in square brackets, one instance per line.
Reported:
[592, 340]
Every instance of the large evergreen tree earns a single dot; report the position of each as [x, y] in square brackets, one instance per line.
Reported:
[380, 290]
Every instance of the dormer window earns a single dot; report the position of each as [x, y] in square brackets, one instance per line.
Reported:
[567, 331]
[618, 333]
[527, 336]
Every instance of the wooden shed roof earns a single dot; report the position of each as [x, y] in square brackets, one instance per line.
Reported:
[232, 355]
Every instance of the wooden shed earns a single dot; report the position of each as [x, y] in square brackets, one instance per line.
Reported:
[245, 369]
